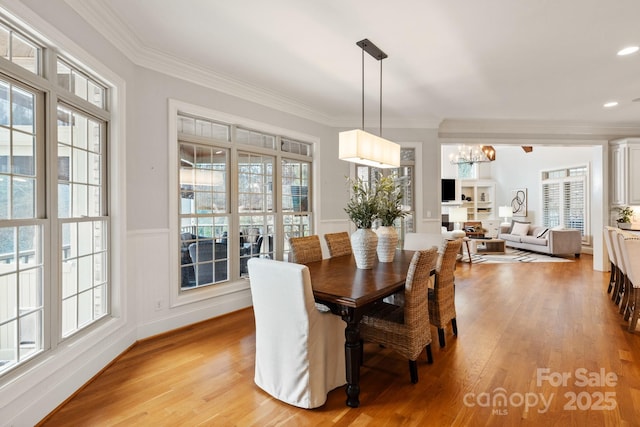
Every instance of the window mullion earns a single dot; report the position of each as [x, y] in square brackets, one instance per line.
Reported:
[232, 210]
[87, 107]
[279, 218]
[52, 231]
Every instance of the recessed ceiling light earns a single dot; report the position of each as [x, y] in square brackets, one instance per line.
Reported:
[610, 104]
[628, 50]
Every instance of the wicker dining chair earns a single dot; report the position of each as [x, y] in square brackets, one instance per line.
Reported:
[338, 243]
[305, 249]
[405, 329]
[442, 307]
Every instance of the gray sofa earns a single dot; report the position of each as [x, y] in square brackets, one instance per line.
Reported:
[546, 240]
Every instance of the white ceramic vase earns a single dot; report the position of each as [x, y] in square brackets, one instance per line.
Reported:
[387, 243]
[364, 242]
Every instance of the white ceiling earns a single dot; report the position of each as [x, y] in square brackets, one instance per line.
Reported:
[456, 59]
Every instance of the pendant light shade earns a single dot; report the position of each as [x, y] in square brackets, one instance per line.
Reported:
[359, 146]
[362, 147]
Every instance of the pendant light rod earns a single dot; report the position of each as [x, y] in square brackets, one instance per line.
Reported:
[362, 127]
[359, 146]
[378, 55]
[372, 49]
[380, 98]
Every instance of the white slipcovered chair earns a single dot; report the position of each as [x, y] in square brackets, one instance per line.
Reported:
[621, 290]
[614, 276]
[631, 254]
[299, 349]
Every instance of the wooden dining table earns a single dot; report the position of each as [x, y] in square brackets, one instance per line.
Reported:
[350, 292]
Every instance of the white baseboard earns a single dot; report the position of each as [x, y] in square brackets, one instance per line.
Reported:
[197, 313]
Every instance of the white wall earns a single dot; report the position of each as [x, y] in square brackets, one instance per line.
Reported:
[30, 392]
[144, 215]
[514, 169]
[142, 291]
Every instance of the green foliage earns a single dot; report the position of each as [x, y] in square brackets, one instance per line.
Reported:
[379, 200]
[362, 207]
[625, 214]
[389, 200]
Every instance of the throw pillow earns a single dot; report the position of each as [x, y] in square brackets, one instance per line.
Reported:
[514, 222]
[542, 233]
[520, 229]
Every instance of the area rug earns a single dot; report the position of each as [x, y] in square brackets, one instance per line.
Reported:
[515, 255]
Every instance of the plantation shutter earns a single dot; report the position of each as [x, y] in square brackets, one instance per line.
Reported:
[551, 204]
[574, 204]
[565, 199]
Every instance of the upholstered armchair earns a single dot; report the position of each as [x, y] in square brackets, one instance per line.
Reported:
[299, 349]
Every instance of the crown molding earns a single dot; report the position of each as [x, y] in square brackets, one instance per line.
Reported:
[106, 22]
[101, 17]
[534, 129]
[389, 123]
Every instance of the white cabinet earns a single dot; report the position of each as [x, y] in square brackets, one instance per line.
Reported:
[624, 155]
[482, 203]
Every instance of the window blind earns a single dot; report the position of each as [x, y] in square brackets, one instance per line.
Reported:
[565, 199]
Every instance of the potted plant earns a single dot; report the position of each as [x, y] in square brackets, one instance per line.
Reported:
[362, 209]
[624, 219]
[389, 209]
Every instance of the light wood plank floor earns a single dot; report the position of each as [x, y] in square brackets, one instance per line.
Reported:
[513, 320]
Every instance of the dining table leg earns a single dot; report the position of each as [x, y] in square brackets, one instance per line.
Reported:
[353, 353]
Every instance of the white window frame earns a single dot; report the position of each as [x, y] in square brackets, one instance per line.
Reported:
[178, 298]
[584, 179]
[85, 340]
[400, 224]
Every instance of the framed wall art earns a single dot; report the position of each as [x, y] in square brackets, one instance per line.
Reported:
[519, 202]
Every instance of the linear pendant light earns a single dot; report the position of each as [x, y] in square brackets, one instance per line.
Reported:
[359, 146]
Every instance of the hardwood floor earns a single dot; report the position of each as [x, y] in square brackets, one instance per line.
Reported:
[513, 320]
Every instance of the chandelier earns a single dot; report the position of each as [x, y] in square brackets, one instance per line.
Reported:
[358, 146]
[468, 154]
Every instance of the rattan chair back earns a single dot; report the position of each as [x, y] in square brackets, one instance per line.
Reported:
[305, 249]
[442, 307]
[405, 329]
[338, 243]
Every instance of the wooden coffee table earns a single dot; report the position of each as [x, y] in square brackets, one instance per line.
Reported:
[486, 246]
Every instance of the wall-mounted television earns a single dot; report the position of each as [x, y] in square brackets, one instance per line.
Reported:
[448, 190]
